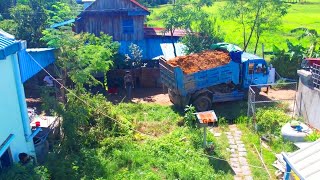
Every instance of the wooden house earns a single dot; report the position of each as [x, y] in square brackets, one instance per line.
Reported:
[121, 19]
[124, 20]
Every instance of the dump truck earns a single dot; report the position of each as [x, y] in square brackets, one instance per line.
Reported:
[202, 87]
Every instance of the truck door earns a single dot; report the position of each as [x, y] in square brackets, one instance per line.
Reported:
[256, 72]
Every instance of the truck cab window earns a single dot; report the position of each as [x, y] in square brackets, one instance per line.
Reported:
[251, 67]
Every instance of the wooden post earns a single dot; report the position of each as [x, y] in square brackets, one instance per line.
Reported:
[262, 50]
[204, 136]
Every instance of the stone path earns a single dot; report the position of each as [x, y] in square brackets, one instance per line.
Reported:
[238, 157]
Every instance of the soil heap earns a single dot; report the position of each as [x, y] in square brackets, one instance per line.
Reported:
[200, 61]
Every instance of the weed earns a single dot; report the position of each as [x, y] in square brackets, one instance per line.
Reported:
[315, 135]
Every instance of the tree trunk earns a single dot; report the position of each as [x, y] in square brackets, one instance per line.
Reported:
[257, 42]
[252, 28]
[172, 41]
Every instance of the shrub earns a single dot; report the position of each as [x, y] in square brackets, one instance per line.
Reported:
[315, 135]
[271, 120]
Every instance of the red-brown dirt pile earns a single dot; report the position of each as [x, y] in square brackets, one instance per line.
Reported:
[200, 61]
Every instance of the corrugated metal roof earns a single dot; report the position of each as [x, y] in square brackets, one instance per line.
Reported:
[152, 31]
[306, 161]
[7, 45]
[27, 58]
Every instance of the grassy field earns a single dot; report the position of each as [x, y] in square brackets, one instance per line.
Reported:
[299, 15]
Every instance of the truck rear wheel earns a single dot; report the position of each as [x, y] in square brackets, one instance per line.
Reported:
[202, 103]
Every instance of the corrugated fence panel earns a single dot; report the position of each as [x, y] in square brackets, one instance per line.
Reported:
[28, 67]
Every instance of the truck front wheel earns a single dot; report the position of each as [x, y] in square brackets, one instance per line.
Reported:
[202, 103]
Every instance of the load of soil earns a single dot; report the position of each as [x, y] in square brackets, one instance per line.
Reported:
[200, 61]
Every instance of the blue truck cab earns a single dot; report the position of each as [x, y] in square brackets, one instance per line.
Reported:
[228, 82]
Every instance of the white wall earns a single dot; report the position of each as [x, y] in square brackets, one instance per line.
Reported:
[308, 100]
[10, 114]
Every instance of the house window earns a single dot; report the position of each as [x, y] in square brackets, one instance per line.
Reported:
[127, 26]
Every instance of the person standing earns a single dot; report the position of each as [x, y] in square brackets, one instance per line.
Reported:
[128, 84]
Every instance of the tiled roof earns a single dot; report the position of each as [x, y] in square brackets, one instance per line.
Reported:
[138, 4]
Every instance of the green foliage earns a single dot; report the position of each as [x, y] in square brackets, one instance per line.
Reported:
[270, 120]
[189, 115]
[254, 16]
[288, 62]
[8, 26]
[242, 120]
[136, 54]
[315, 135]
[60, 12]
[30, 20]
[81, 56]
[313, 37]
[223, 122]
[18, 171]
[124, 155]
[204, 33]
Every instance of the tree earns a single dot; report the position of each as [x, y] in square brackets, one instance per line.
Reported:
[203, 35]
[30, 20]
[255, 16]
[312, 35]
[176, 17]
[81, 56]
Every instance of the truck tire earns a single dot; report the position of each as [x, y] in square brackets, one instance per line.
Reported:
[202, 103]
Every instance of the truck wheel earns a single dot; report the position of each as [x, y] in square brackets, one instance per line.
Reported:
[202, 103]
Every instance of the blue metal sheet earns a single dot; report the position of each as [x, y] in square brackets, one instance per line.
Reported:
[68, 22]
[8, 46]
[27, 58]
[151, 47]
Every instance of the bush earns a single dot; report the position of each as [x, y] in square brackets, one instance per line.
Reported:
[25, 172]
[271, 120]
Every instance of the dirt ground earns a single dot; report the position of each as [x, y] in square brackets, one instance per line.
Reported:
[143, 95]
[200, 61]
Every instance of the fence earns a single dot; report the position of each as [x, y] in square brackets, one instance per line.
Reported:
[279, 95]
[316, 76]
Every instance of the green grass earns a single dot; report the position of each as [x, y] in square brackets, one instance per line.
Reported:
[299, 15]
[173, 151]
[249, 138]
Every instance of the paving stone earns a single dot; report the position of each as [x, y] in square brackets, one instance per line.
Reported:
[230, 137]
[243, 161]
[233, 146]
[217, 134]
[235, 165]
[237, 170]
[237, 138]
[245, 168]
[238, 132]
[232, 142]
[237, 177]
[242, 149]
[234, 160]
[242, 154]
[234, 155]
[248, 178]
[240, 145]
[246, 172]
[239, 142]
[228, 133]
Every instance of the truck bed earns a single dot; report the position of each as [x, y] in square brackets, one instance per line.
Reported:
[175, 79]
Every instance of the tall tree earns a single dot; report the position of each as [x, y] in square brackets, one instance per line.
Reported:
[255, 16]
[30, 20]
[81, 56]
[176, 17]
